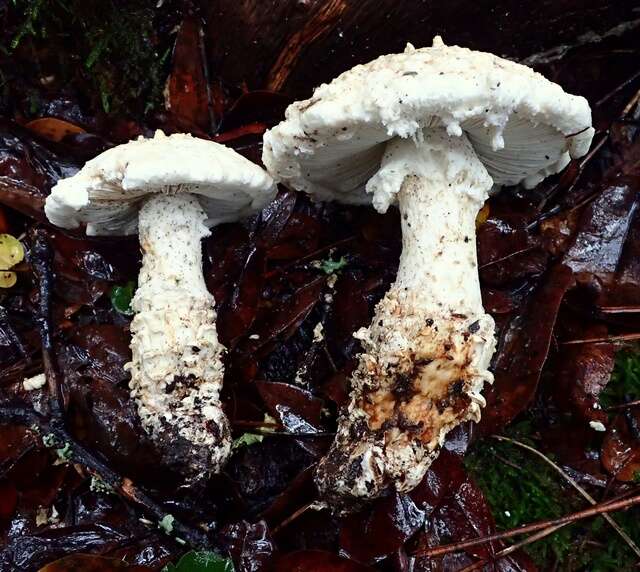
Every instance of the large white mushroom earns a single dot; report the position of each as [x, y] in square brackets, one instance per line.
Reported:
[431, 130]
[170, 190]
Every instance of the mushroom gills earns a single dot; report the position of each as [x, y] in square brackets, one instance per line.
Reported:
[426, 354]
[176, 367]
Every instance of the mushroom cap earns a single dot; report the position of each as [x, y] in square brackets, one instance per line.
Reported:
[106, 193]
[522, 126]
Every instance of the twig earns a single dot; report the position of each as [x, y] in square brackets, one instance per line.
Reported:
[514, 547]
[624, 405]
[634, 100]
[291, 518]
[502, 258]
[41, 258]
[615, 90]
[533, 527]
[619, 309]
[620, 338]
[575, 485]
[78, 454]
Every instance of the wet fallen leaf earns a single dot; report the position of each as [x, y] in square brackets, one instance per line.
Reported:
[583, 372]
[522, 352]
[53, 128]
[249, 545]
[621, 449]
[382, 528]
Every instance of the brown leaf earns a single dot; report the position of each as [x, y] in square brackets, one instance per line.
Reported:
[53, 128]
[583, 372]
[381, 528]
[621, 450]
[187, 91]
[522, 352]
[598, 245]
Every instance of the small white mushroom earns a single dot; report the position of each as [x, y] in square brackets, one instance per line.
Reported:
[431, 130]
[170, 190]
[36, 382]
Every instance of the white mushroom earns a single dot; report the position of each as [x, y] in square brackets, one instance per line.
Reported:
[170, 190]
[431, 130]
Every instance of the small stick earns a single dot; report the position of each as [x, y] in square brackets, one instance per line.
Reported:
[497, 260]
[514, 547]
[619, 309]
[533, 527]
[291, 518]
[616, 89]
[41, 258]
[624, 405]
[620, 338]
[576, 486]
[635, 99]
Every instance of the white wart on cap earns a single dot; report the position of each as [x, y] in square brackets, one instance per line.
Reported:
[171, 190]
[432, 130]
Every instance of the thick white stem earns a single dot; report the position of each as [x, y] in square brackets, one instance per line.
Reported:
[438, 266]
[176, 368]
[425, 355]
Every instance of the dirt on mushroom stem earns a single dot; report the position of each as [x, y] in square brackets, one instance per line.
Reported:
[176, 367]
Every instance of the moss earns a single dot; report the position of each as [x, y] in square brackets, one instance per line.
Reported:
[111, 51]
[521, 488]
[625, 380]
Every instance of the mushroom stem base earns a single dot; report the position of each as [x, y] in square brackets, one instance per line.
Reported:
[176, 367]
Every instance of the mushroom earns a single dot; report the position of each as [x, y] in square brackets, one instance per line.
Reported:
[169, 189]
[431, 130]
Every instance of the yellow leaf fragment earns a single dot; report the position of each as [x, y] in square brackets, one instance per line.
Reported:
[8, 279]
[11, 251]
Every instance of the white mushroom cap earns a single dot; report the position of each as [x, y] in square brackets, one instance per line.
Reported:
[106, 193]
[522, 126]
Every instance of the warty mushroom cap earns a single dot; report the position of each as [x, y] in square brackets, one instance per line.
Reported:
[522, 126]
[106, 193]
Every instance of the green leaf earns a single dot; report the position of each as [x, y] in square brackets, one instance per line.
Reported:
[201, 562]
[95, 53]
[121, 297]
[330, 266]
[247, 439]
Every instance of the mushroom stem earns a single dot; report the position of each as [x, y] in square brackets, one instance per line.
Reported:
[176, 367]
[426, 353]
